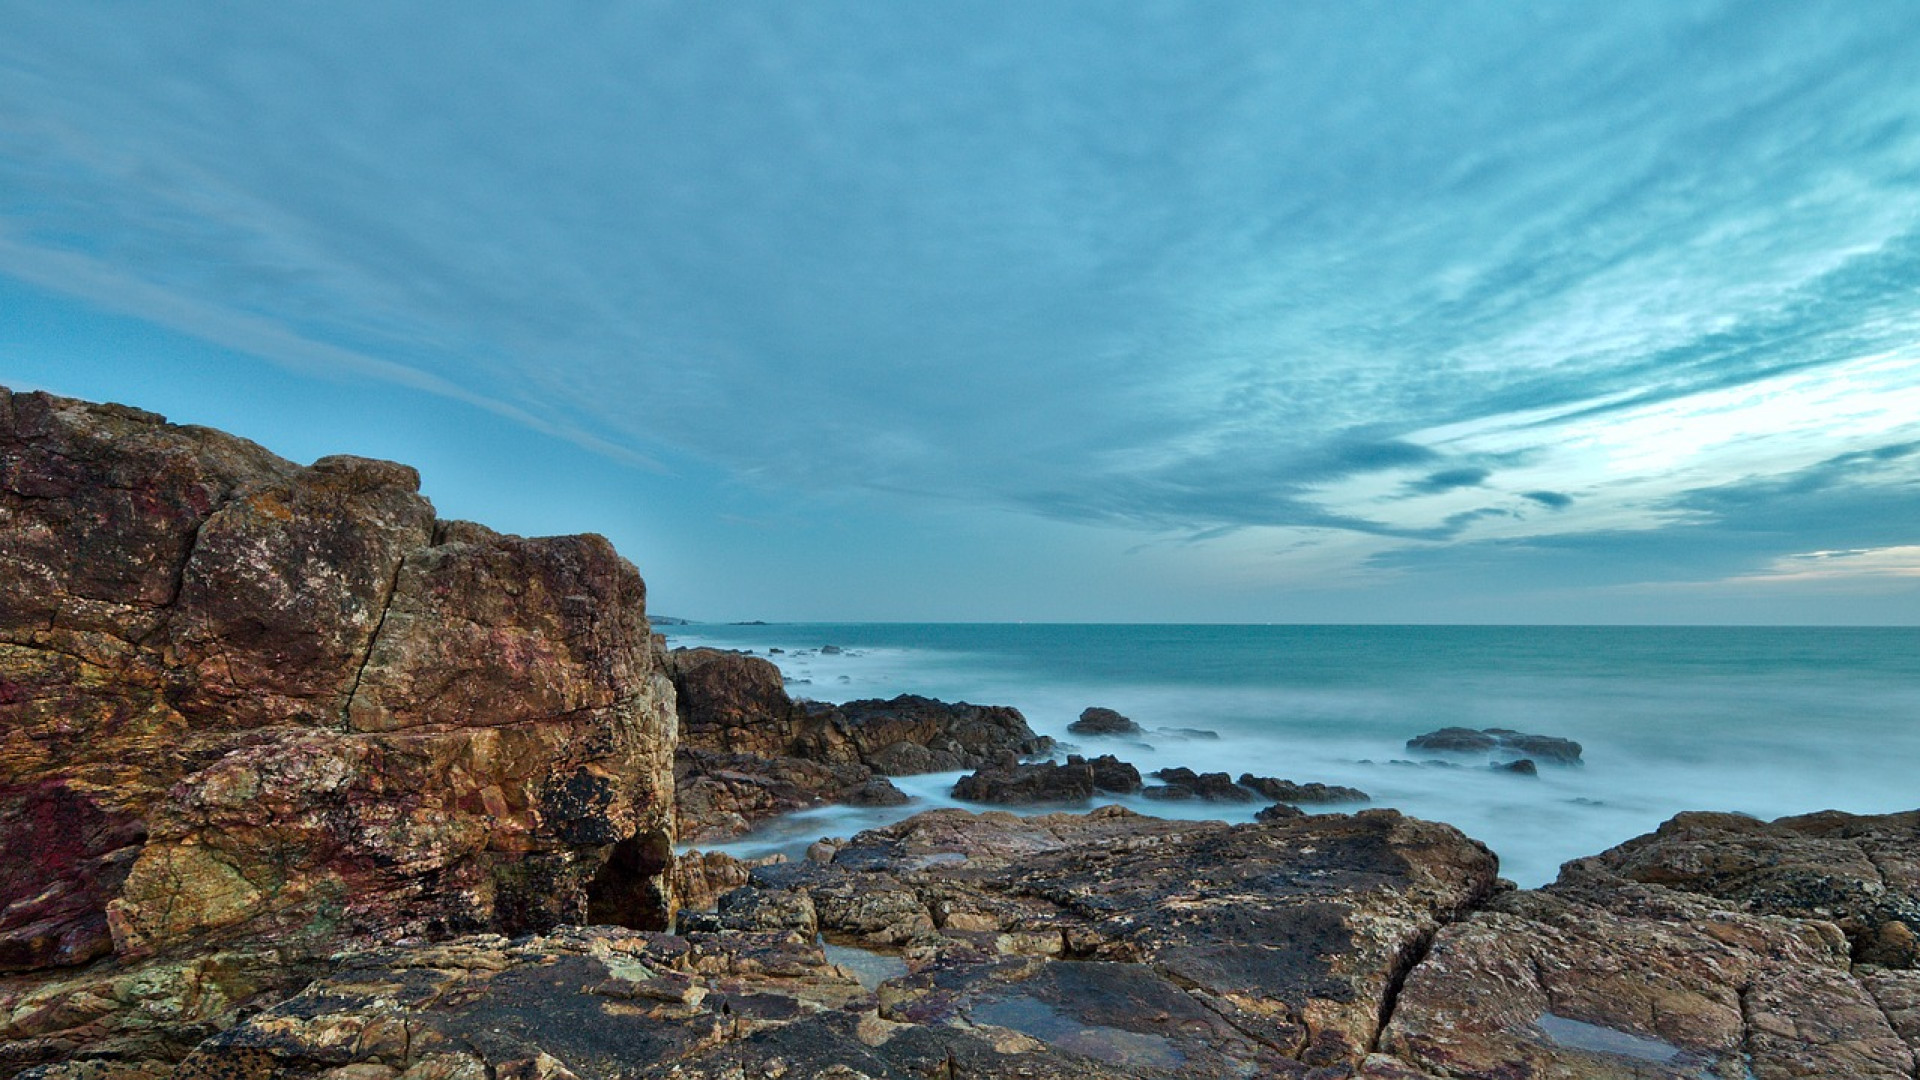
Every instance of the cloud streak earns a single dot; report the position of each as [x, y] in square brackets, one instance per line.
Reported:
[1384, 271]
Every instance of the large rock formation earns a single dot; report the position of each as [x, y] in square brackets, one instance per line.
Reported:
[749, 752]
[246, 701]
[1068, 946]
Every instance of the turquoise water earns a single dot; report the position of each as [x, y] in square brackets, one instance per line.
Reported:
[1767, 721]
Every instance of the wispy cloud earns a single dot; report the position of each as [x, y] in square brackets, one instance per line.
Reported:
[1483, 281]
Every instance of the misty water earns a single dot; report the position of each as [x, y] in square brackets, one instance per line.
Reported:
[1764, 721]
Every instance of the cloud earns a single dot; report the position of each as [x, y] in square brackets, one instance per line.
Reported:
[1448, 480]
[1192, 269]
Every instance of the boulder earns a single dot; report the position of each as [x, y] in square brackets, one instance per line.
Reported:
[1073, 782]
[1099, 721]
[244, 700]
[1547, 749]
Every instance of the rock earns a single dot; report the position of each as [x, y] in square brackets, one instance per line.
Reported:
[732, 703]
[1201, 734]
[1286, 791]
[700, 878]
[1718, 945]
[1131, 946]
[830, 650]
[1454, 740]
[1099, 721]
[911, 734]
[1598, 978]
[749, 752]
[1459, 740]
[1860, 872]
[1073, 782]
[1183, 783]
[878, 791]
[1279, 812]
[1521, 767]
[722, 795]
[250, 701]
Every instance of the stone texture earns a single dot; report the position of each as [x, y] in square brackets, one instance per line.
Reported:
[1860, 872]
[1165, 946]
[246, 701]
[1705, 949]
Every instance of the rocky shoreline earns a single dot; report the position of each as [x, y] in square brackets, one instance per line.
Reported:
[301, 782]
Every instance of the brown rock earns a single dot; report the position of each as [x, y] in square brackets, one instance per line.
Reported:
[244, 700]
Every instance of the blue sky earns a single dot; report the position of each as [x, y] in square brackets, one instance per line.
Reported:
[1238, 312]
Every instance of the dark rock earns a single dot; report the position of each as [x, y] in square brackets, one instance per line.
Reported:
[1459, 740]
[1184, 783]
[829, 650]
[1521, 767]
[1454, 740]
[1073, 782]
[1279, 812]
[878, 791]
[1287, 791]
[1099, 721]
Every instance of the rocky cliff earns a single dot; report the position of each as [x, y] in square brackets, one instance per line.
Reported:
[246, 701]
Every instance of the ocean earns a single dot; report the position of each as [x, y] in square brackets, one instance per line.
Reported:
[1764, 721]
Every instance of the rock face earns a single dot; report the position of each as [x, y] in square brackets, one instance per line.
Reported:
[246, 700]
[749, 752]
[1499, 742]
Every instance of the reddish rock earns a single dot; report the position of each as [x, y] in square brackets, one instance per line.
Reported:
[246, 700]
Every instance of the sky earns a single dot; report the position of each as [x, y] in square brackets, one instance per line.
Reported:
[1210, 312]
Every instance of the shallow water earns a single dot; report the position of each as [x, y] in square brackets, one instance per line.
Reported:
[1766, 721]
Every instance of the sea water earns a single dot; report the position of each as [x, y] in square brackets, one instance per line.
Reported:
[1763, 721]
